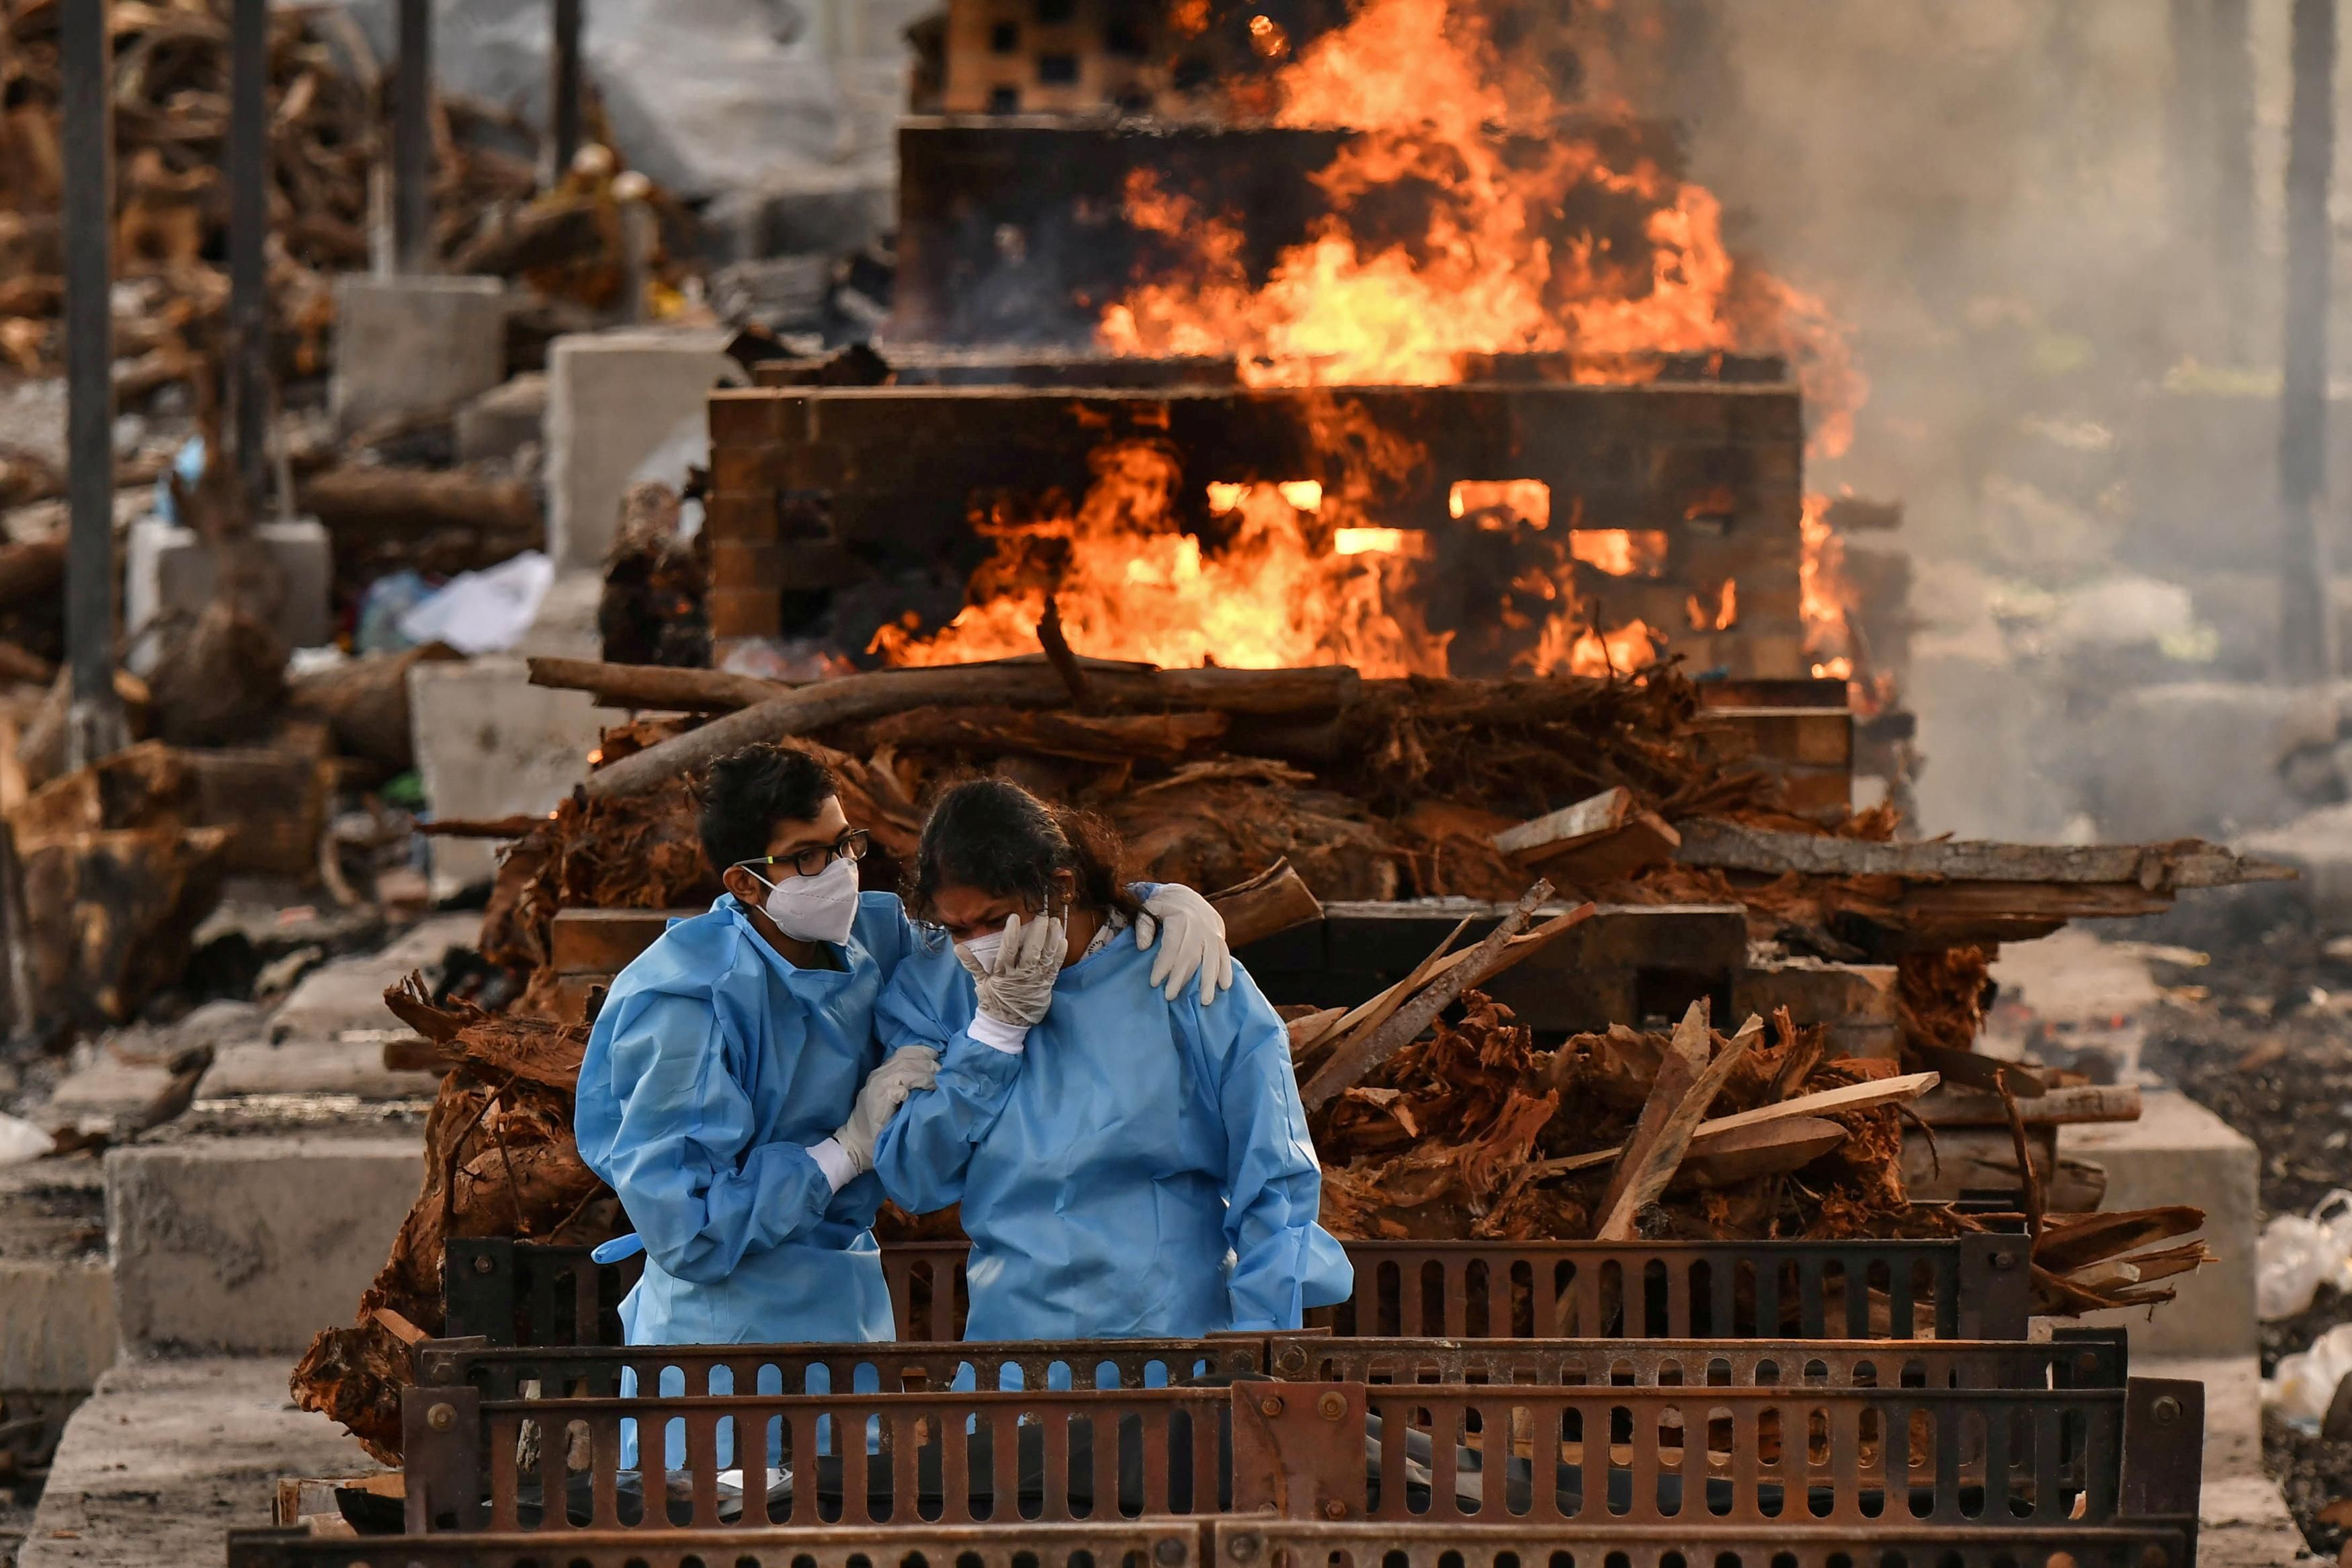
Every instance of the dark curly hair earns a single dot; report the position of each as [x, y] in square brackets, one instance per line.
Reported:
[746, 793]
[993, 835]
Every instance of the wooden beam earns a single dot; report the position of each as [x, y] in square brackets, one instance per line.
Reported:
[2155, 869]
[1867, 1096]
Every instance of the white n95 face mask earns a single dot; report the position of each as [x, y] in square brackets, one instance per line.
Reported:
[819, 908]
[984, 949]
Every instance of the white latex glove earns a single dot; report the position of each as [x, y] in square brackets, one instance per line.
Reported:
[1020, 988]
[910, 1068]
[1194, 942]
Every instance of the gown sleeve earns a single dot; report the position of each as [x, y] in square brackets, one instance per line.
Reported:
[1283, 1261]
[923, 1153]
[679, 1151]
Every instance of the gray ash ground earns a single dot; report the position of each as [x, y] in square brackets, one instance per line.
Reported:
[2267, 1045]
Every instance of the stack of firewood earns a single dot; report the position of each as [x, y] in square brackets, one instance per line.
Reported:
[171, 97]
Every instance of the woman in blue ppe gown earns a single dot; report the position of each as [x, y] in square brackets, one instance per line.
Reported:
[1131, 1162]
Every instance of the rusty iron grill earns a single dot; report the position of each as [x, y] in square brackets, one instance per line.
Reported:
[1974, 1287]
[1243, 1542]
[1289, 1543]
[1139, 1544]
[2094, 1358]
[1714, 1457]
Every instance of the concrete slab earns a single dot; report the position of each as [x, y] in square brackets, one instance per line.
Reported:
[414, 345]
[57, 1334]
[166, 1455]
[2178, 1152]
[345, 996]
[503, 420]
[249, 1246]
[613, 398]
[343, 1066]
[168, 570]
[490, 744]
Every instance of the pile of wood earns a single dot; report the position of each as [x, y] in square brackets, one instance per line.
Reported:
[171, 96]
[1624, 790]
[499, 1161]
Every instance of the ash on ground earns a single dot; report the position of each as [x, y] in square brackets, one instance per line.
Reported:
[2262, 1035]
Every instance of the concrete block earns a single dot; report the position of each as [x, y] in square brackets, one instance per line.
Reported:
[2196, 757]
[2178, 1152]
[414, 345]
[346, 996]
[58, 1333]
[613, 398]
[503, 420]
[489, 744]
[166, 1455]
[168, 570]
[251, 1246]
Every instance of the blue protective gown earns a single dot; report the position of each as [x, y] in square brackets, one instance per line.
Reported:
[1141, 1168]
[713, 1065]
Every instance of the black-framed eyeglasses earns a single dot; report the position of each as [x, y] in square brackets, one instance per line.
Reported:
[850, 846]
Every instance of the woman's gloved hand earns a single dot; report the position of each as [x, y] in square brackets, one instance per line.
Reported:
[1019, 987]
[910, 1068]
[1191, 936]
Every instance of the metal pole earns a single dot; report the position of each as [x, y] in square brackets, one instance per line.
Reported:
[564, 90]
[248, 229]
[412, 139]
[2232, 123]
[86, 58]
[2307, 639]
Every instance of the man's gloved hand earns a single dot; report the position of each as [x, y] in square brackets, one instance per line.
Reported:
[1192, 942]
[910, 1068]
[1019, 989]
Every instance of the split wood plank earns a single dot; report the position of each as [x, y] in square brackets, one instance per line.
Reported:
[2153, 868]
[1751, 1152]
[1847, 1097]
[1605, 838]
[1679, 1068]
[1644, 1173]
[1269, 904]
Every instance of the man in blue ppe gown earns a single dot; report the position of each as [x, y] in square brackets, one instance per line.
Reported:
[1130, 1164]
[732, 1090]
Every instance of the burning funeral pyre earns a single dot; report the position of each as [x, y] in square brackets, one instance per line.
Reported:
[1391, 513]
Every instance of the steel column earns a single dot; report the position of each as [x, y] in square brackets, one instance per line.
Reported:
[248, 231]
[2306, 639]
[412, 139]
[86, 58]
[564, 86]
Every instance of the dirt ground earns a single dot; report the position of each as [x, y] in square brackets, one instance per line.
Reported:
[2263, 1035]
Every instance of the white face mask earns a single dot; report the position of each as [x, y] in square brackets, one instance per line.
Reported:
[984, 949]
[817, 908]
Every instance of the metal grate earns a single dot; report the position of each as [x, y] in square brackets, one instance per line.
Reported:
[1974, 1287]
[1141, 1543]
[1724, 1457]
[1286, 1543]
[2093, 1358]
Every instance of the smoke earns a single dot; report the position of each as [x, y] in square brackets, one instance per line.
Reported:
[2053, 231]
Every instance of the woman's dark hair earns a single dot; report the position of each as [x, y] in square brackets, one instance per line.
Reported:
[746, 793]
[993, 835]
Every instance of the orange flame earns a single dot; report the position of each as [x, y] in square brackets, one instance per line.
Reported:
[1828, 595]
[1287, 586]
[1419, 84]
[1620, 552]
